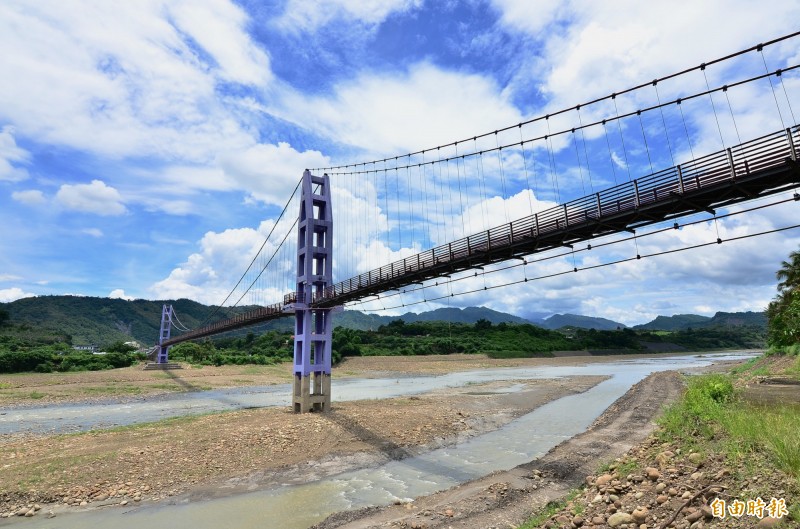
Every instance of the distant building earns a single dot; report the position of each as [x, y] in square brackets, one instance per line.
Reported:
[88, 348]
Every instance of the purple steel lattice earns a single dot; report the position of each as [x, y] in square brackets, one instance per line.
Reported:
[313, 326]
[166, 327]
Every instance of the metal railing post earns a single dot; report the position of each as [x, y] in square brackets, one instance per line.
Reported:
[792, 148]
[680, 179]
[730, 162]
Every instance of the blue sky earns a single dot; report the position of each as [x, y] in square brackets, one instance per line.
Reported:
[146, 148]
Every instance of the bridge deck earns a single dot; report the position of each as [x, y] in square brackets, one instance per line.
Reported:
[760, 167]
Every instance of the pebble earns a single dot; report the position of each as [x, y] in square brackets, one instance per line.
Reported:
[639, 514]
[603, 480]
[619, 518]
[652, 473]
[660, 487]
[695, 458]
[768, 522]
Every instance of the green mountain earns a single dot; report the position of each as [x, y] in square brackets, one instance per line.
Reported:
[557, 321]
[678, 322]
[682, 322]
[90, 320]
[102, 321]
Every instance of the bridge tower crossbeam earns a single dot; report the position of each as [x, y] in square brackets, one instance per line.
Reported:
[313, 326]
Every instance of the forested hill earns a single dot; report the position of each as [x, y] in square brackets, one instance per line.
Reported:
[91, 320]
[683, 322]
[99, 321]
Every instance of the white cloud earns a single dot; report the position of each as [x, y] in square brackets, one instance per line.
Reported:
[8, 295]
[619, 43]
[97, 198]
[120, 294]
[30, 197]
[207, 276]
[11, 155]
[9, 277]
[270, 172]
[308, 15]
[128, 79]
[218, 28]
[402, 112]
[94, 232]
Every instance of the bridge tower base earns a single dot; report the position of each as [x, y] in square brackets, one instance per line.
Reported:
[313, 326]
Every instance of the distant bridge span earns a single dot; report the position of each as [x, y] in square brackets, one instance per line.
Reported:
[757, 168]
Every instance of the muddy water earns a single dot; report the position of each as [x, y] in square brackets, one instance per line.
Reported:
[299, 506]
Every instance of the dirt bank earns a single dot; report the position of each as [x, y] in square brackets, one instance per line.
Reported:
[506, 499]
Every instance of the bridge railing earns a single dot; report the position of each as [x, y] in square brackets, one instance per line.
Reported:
[692, 177]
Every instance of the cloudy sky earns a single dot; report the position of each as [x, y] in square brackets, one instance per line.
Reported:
[147, 148]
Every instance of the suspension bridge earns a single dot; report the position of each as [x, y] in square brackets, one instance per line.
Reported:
[447, 199]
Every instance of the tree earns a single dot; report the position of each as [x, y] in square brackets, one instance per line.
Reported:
[783, 313]
[4, 317]
[789, 274]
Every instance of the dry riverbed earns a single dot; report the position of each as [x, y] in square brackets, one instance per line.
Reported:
[218, 454]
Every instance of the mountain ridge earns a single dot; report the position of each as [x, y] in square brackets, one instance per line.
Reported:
[93, 320]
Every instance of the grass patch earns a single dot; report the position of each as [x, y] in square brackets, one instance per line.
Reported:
[5, 385]
[544, 514]
[709, 411]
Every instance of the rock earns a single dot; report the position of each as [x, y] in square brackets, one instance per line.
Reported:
[722, 473]
[124, 502]
[84, 503]
[652, 473]
[562, 520]
[597, 499]
[662, 499]
[660, 487]
[598, 520]
[619, 518]
[578, 521]
[449, 512]
[639, 514]
[603, 480]
[697, 476]
[639, 495]
[672, 491]
[768, 522]
[51, 514]
[695, 458]
[613, 497]
[694, 516]
[30, 513]
[102, 497]
[707, 512]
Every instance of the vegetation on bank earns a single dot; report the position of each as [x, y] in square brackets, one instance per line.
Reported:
[783, 313]
[46, 353]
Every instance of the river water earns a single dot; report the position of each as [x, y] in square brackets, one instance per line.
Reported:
[299, 506]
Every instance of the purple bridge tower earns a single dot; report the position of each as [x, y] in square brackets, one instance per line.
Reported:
[313, 326]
